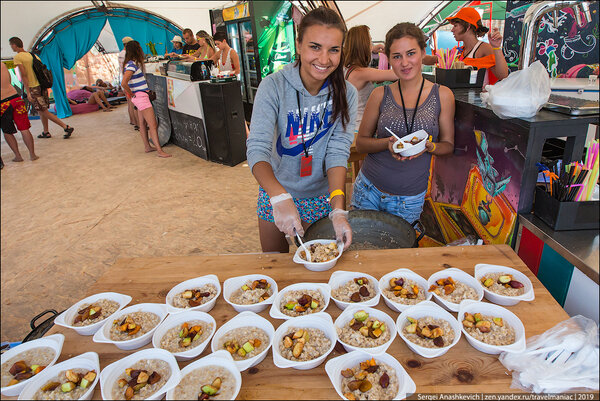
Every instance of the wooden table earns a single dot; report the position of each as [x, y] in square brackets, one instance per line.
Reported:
[461, 369]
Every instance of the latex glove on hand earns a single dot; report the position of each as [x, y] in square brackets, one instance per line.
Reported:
[286, 215]
[343, 231]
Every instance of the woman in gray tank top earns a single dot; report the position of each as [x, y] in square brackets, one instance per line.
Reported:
[387, 181]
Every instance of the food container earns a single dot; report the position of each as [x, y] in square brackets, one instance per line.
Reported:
[482, 269]
[69, 314]
[220, 358]
[103, 335]
[321, 321]
[191, 283]
[340, 277]
[321, 266]
[242, 320]
[232, 284]
[510, 318]
[408, 149]
[111, 373]
[348, 314]
[421, 310]
[406, 273]
[334, 367]
[460, 77]
[55, 341]
[88, 361]
[457, 275]
[177, 320]
[323, 288]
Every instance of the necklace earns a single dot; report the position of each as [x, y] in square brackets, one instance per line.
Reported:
[410, 130]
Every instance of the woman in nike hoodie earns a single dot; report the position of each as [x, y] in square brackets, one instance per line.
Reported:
[300, 136]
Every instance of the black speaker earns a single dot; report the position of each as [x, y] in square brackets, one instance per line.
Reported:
[224, 120]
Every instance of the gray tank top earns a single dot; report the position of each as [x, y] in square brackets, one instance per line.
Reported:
[409, 177]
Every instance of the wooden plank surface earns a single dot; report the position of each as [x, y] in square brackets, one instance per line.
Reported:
[461, 369]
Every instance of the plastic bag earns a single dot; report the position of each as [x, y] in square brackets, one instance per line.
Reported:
[562, 358]
[521, 94]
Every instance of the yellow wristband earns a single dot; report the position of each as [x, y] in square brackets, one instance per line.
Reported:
[496, 48]
[432, 150]
[336, 193]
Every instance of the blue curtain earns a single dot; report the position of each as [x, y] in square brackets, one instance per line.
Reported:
[144, 32]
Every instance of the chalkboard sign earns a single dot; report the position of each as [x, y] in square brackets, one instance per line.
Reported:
[188, 133]
[158, 84]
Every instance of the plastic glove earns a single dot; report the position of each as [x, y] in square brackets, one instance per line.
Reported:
[343, 231]
[286, 215]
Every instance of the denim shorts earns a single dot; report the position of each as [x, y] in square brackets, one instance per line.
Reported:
[367, 197]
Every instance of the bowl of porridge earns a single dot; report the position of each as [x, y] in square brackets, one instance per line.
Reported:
[23, 362]
[185, 334]
[300, 299]
[304, 342]
[252, 292]
[324, 254]
[403, 288]
[504, 285]
[87, 316]
[491, 328]
[247, 337]
[73, 379]
[214, 377]
[198, 293]
[428, 330]
[387, 379]
[353, 288]
[365, 329]
[451, 286]
[132, 327]
[145, 375]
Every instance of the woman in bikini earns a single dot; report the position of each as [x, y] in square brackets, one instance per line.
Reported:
[226, 58]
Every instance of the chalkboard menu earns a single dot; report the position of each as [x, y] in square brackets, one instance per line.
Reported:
[188, 133]
[565, 48]
[158, 84]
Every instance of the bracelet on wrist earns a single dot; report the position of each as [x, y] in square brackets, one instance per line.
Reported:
[336, 193]
[496, 48]
[434, 146]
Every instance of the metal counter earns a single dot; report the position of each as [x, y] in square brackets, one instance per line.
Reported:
[578, 247]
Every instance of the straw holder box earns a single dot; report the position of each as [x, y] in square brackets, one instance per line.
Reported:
[562, 216]
[459, 78]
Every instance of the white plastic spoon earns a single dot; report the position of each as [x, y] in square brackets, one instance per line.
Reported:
[308, 258]
[395, 136]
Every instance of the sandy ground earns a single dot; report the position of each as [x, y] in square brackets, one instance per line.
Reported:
[96, 197]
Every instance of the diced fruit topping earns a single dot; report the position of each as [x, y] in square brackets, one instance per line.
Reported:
[194, 297]
[364, 291]
[245, 288]
[347, 373]
[429, 331]
[314, 304]
[50, 386]
[210, 390]
[153, 378]
[139, 379]
[504, 279]
[448, 285]
[469, 317]
[484, 326]
[290, 305]
[498, 321]
[361, 280]
[350, 396]
[384, 380]
[515, 284]
[355, 297]
[487, 282]
[248, 347]
[478, 317]
[361, 316]
[68, 386]
[72, 376]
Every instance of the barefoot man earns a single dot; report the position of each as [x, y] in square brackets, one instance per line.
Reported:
[14, 112]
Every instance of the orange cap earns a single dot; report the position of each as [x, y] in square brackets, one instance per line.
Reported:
[467, 14]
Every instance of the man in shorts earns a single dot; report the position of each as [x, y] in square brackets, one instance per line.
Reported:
[14, 112]
[35, 94]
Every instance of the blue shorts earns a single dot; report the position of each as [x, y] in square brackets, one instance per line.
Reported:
[367, 197]
[309, 209]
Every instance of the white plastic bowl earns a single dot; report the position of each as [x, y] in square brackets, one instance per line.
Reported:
[220, 358]
[384, 283]
[410, 149]
[507, 316]
[483, 269]
[348, 314]
[67, 316]
[242, 320]
[194, 283]
[321, 321]
[103, 335]
[321, 266]
[111, 373]
[457, 275]
[323, 288]
[334, 367]
[88, 361]
[55, 341]
[232, 284]
[421, 310]
[176, 321]
[340, 278]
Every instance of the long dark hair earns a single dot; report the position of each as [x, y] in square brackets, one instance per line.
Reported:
[329, 18]
[479, 30]
[357, 49]
[134, 52]
[401, 30]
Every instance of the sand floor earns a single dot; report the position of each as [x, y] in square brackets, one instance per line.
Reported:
[96, 197]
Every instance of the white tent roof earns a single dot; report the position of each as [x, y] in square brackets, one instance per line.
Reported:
[26, 18]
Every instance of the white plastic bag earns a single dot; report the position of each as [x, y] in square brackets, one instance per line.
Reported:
[521, 94]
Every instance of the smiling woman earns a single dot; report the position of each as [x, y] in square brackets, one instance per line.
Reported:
[312, 113]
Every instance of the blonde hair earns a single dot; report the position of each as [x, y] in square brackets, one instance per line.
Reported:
[209, 40]
[357, 49]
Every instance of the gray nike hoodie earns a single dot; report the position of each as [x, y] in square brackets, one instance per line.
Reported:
[276, 132]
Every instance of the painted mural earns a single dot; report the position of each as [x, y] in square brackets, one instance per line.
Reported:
[567, 49]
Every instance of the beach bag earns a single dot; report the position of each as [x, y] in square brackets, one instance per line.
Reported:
[42, 73]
